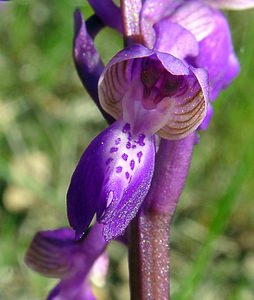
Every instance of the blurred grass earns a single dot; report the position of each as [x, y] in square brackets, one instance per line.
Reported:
[46, 121]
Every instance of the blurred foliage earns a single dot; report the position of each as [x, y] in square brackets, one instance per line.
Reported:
[47, 119]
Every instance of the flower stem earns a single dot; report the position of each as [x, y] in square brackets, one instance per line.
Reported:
[149, 250]
[130, 16]
[149, 257]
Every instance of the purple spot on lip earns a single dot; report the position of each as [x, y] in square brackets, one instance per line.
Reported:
[117, 141]
[129, 136]
[126, 128]
[141, 139]
[139, 155]
[125, 156]
[119, 169]
[128, 145]
[113, 149]
[127, 175]
[109, 160]
[132, 164]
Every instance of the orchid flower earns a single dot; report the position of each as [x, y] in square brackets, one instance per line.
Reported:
[55, 253]
[207, 26]
[202, 21]
[148, 92]
[158, 89]
[172, 26]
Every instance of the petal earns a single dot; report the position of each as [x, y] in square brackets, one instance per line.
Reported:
[152, 12]
[231, 4]
[50, 251]
[217, 56]
[170, 98]
[192, 15]
[181, 43]
[107, 175]
[108, 12]
[86, 57]
[89, 256]
[93, 26]
[195, 17]
[87, 60]
[55, 253]
[72, 289]
[137, 162]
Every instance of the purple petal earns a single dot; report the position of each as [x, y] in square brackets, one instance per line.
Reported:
[107, 175]
[154, 91]
[231, 4]
[194, 16]
[55, 253]
[211, 30]
[87, 60]
[49, 252]
[152, 12]
[94, 26]
[217, 56]
[108, 12]
[85, 55]
[72, 289]
[88, 258]
[181, 42]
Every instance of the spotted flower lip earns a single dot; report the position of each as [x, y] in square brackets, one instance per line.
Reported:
[166, 95]
[111, 180]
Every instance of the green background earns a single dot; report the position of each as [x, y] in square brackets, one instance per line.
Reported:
[47, 119]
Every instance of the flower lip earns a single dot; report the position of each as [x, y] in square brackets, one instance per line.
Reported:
[138, 80]
[111, 180]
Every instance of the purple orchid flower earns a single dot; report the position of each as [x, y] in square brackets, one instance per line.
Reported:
[158, 89]
[147, 92]
[206, 25]
[196, 25]
[199, 34]
[55, 253]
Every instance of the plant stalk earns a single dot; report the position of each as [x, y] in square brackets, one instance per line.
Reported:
[149, 232]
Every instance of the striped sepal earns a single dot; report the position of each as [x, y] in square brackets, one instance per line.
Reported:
[50, 253]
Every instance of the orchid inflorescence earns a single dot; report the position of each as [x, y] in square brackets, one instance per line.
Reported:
[178, 57]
